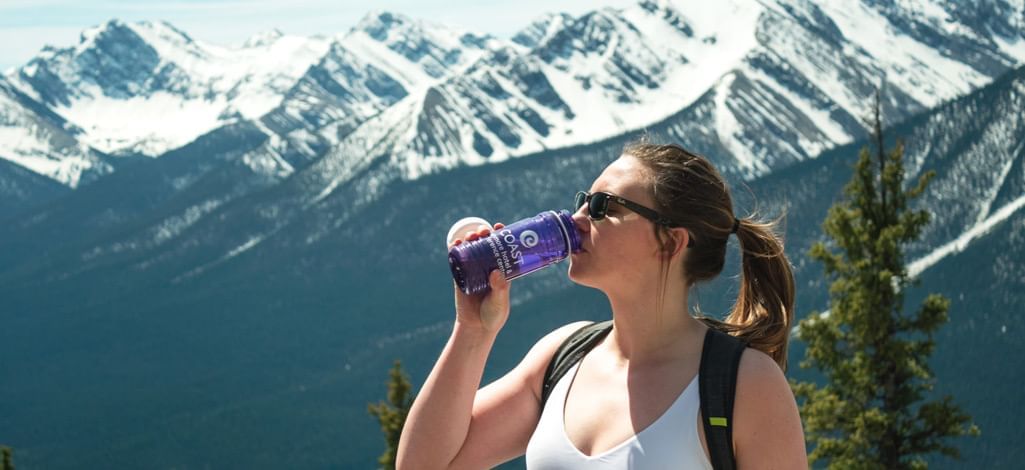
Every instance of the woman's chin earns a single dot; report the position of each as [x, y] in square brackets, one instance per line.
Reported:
[576, 272]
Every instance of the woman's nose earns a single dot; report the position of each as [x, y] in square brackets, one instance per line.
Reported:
[581, 220]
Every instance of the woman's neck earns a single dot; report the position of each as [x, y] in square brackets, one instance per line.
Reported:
[646, 331]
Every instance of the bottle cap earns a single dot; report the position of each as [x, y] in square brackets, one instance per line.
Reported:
[464, 225]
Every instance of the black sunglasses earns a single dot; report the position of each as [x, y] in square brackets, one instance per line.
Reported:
[598, 208]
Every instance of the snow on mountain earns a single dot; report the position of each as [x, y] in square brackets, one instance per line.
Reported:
[416, 53]
[147, 87]
[380, 61]
[541, 29]
[331, 98]
[35, 138]
[757, 84]
[775, 82]
[786, 79]
[595, 76]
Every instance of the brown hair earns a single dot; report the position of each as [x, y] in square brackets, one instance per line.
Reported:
[689, 190]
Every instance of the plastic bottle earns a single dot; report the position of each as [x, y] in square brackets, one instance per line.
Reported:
[516, 250]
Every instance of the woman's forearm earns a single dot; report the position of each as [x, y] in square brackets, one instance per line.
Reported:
[439, 419]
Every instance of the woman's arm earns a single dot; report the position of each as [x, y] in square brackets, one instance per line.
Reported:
[767, 430]
[439, 420]
[451, 426]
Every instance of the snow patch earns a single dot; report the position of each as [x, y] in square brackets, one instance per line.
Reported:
[958, 245]
[149, 125]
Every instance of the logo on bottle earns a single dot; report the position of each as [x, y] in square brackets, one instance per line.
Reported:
[528, 238]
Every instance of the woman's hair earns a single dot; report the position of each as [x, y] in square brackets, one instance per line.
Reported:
[690, 191]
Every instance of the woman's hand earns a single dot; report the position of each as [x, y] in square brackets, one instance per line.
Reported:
[487, 310]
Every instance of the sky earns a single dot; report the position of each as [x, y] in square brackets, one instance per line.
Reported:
[27, 25]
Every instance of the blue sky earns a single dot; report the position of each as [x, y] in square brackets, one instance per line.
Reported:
[27, 25]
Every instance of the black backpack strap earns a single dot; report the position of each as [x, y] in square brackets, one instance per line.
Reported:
[570, 352]
[717, 379]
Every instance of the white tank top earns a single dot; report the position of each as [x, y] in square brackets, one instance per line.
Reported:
[672, 441]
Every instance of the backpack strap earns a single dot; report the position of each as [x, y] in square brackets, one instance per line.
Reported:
[720, 359]
[570, 352]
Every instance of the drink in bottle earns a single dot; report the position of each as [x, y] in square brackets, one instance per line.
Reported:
[516, 250]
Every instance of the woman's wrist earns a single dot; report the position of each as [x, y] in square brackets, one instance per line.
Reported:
[473, 332]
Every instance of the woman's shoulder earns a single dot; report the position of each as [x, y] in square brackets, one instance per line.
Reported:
[766, 422]
[764, 404]
[549, 343]
[757, 375]
[537, 359]
[563, 332]
[756, 365]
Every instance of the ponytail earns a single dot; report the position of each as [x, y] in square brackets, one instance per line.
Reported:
[764, 309]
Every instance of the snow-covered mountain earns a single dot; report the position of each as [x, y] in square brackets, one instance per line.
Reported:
[383, 59]
[146, 88]
[764, 82]
[278, 316]
[771, 82]
[282, 256]
[753, 85]
[34, 137]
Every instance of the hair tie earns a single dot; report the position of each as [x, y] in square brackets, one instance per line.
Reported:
[736, 225]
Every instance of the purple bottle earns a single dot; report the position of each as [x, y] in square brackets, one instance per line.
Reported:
[516, 250]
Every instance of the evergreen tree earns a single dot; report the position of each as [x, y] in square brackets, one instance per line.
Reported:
[6, 463]
[392, 415]
[873, 411]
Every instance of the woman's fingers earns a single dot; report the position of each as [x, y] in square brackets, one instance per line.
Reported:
[481, 232]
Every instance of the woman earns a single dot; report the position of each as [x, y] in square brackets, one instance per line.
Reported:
[654, 223]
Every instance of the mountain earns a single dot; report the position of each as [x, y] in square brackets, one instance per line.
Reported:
[147, 88]
[19, 188]
[773, 82]
[348, 120]
[40, 141]
[122, 80]
[777, 83]
[238, 298]
[379, 62]
[259, 349]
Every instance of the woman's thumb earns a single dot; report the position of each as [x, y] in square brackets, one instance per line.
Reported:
[498, 281]
[494, 309]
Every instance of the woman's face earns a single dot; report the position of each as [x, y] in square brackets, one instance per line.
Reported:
[621, 249]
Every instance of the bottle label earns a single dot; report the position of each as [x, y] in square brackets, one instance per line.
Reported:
[508, 249]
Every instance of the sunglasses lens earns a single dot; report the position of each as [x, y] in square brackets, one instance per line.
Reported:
[579, 200]
[599, 204]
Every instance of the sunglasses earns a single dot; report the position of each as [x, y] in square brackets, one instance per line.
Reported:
[598, 208]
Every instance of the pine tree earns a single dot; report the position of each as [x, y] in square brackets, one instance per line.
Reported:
[392, 415]
[6, 463]
[873, 411]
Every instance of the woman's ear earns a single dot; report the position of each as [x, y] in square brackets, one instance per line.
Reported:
[677, 240]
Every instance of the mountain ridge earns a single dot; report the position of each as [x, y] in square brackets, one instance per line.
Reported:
[599, 74]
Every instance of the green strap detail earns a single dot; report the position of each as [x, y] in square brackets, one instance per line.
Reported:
[717, 421]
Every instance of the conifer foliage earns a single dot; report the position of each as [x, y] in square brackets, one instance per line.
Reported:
[392, 414]
[877, 408]
[6, 460]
